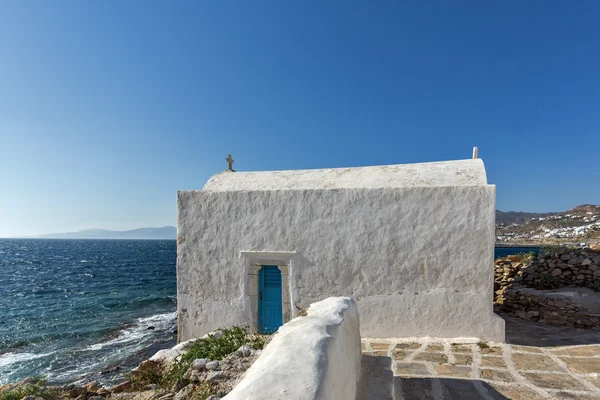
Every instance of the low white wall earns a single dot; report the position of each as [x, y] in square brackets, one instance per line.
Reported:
[312, 357]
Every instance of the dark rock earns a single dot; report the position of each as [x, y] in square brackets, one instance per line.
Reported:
[184, 393]
[110, 370]
[216, 376]
[212, 365]
[199, 364]
[121, 387]
[91, 387]
[77, 391]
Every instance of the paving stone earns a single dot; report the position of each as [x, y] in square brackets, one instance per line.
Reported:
[595, 380]
[463, 359]
[399, 354]
[408, 346]
[583, 365]
[411, 369]
[559, 352]
[380, 353]
[534, 362]
[375, 381]
[578, 396]
[380, 346]
[453, 370]
[493, 362]
[461, 348]
[413, 388]
[432, 357]
[491, 350]
[527, 349]
[435, 348]
[516, 392]
[497, 375]
[553, 381]
[584, 351]
[448, 389]
[458, 389]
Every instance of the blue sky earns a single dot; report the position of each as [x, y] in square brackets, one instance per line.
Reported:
[108, 108]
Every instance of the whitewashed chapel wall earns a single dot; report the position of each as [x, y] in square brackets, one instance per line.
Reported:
[418, 260]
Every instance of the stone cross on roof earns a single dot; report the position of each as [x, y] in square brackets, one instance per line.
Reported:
[230, 162]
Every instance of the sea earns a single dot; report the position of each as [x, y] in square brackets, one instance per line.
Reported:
[500, 252]
[82, 310]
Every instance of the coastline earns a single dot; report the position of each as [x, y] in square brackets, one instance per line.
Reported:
[517, 245]
[105, 361]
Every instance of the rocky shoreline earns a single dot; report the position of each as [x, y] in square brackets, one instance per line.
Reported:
[171, 374]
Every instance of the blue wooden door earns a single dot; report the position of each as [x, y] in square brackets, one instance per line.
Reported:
[269, 299]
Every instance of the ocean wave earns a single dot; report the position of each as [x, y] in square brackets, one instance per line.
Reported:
[139, 333]
[7, 359]
[12, 344]
[154, 300]
[47, 338]
[127, 345]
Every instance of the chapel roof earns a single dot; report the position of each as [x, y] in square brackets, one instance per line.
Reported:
[445, 173]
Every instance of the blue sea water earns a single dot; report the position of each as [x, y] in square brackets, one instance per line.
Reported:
[71, 309]
[500, 252]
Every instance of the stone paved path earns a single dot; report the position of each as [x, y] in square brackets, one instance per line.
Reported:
[408, 370]
[496, 372]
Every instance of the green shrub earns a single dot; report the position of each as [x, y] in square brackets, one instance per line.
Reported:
[548, 282]
[212, 347]
[594, 284]
[204, 390]
[37, 387]
[216, 349]
[145, 376]
[551, 248]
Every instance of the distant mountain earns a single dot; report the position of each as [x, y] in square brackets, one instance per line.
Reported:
[517, 217]
[165, 232]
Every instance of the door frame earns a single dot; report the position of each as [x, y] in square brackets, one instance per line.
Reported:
[252, 262]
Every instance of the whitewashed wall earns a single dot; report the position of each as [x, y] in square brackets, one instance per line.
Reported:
[317, 356]
[418, 260]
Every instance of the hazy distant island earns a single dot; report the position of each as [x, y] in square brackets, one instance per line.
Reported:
[162, 233]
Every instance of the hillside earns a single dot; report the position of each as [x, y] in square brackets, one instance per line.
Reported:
[518, 217]
[581, 224]
[165, 232]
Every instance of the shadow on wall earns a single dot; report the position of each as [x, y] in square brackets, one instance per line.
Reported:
[378, 382]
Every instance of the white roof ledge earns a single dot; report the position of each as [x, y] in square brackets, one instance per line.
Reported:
[433, 174]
